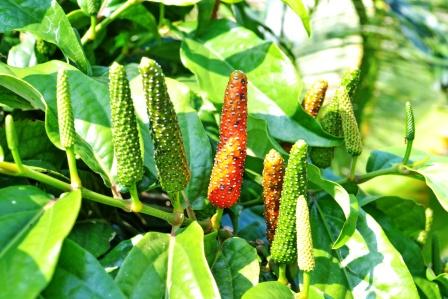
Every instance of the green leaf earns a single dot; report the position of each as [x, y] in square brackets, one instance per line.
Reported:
[379, 160]
[348, 204]
[236, 269]
[32, 230]
[113, 260]
[300, 9]
[176, 2]
[368, 265]
[270, 289]
[259, 139]
[80, 275]
[175, 266]
[46, 20]
[427, 289]
[34, 144]
[94, 236]
[274, 85]
[434, 173]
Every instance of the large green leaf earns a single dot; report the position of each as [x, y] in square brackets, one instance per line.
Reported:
[80, 275]
[46, 20]
[433, 169]
[236, 269]
[274, 85]
[348, 204]
[163, 266]
[368, 265]
[300, 9]
[33, 227]
[270, 289]
[93, 236]
[35, 148]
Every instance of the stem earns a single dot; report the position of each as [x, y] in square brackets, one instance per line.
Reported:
[178, 212]
[74, 177]
[12, 169]
[351, 177]
[282, 274]
[407, 154]
[161, 14]
[215, 10]
[371, 175]
[216, 219]
[190, 211]
[306, 285]
[103, 24]
[136, 204]
[92, 27]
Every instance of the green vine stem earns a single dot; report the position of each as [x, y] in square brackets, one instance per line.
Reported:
[92, 28]
[74, 177]
[136, 204]
[103, 24]
[282, 274]
[190, 211]
[216, 219]
[353, 168]
[178, 211]
[407, 154]
[12, 169]
[11, 139]
[306, 285]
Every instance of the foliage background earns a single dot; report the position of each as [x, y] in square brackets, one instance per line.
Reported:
[401, 48]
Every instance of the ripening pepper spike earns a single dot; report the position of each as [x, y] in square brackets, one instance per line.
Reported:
[65, 113]
[125, 135]
[315, 97]
[169, 151]
[410, 123]
[273, 171]
[330, 120]
[284, 246]
[305, 256]
[350, 81]
[352, 136]
[228, 169]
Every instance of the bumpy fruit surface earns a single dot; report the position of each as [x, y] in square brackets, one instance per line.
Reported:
[169, 152]
[410, 122]
[273, 172]
[93, 6]
[330, 121]
[227, 174]
[352, 136]
[65, 114]
[284, 247]
[350, 81]
[315, 97]
[305, 257]
[124, 128]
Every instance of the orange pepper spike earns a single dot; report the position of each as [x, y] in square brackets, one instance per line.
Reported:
[273, 172]
[227, 174]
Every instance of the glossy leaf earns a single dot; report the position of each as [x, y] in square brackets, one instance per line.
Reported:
[368, 265]
[270, 289]
[348, 204]
[259, 139]
[300, 9]
[80, 275]
[113, 260]
[32, 231]
[93, 236]
[48, 22]
[274, 85]
[176, 2]
[236, 269]
[176, 265]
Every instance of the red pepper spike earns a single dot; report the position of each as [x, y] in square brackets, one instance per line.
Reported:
[227, 174]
